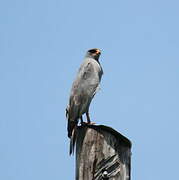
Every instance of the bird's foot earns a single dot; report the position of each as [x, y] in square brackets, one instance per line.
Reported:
[83, 123]
[91, 123]
[87, 123]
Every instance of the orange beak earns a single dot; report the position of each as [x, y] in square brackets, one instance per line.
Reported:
[98, 51]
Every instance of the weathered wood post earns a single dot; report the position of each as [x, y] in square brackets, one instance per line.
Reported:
[102, 154]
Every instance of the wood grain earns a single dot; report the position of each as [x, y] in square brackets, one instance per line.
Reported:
[102, 153]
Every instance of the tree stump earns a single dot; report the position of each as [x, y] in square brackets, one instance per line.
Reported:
[102, 154]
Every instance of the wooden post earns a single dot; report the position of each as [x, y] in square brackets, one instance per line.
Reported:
[102, 154]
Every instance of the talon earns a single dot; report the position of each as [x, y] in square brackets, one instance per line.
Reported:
[88, 117]
[83, 123]
[91, 123]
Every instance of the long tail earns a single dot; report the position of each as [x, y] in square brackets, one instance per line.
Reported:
[73, 140]
[72, 129]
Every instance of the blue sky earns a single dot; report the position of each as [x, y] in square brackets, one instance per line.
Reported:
[42, 44]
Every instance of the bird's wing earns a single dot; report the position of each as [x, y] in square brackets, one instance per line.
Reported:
[90, 77]
[83, 90]
[84, 87]
[97, 89]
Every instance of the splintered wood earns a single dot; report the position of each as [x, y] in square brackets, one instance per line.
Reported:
[102, 154]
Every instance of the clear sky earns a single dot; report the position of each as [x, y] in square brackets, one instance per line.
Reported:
[42, 44]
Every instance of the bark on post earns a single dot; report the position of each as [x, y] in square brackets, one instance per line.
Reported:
[102, 154]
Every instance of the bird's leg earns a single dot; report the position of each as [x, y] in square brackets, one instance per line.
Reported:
[82, 122]
[88, 117]
[81, 118]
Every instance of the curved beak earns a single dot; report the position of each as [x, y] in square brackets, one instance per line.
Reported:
[98, 51]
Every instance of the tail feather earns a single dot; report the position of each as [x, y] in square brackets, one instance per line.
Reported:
[71, 128]
[73, 140]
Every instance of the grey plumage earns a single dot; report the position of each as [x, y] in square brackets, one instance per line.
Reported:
[83, 89]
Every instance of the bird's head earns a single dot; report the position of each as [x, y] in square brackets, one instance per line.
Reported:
[94, 53]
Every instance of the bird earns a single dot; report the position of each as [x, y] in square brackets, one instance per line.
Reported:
[84, 89]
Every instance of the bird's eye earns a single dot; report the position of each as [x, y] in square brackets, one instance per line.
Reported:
[92, 51]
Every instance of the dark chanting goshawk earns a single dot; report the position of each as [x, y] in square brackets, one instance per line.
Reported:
[83, 89]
